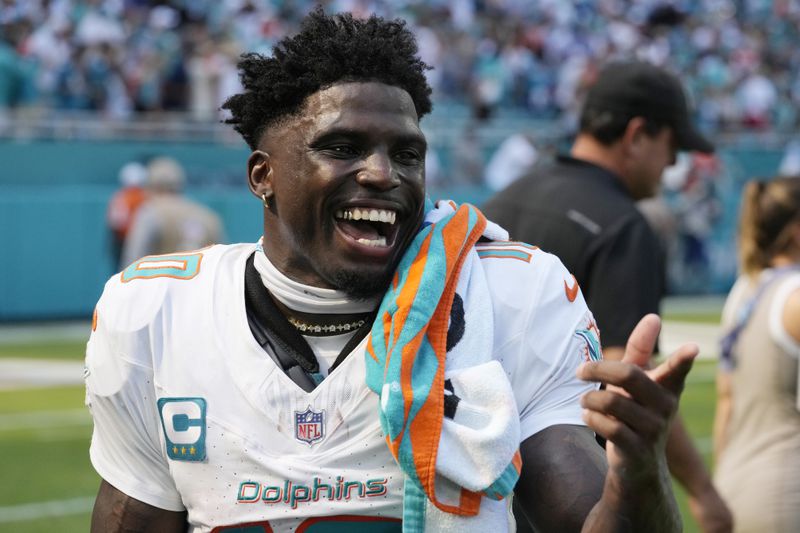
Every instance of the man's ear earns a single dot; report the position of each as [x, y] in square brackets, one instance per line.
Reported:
[259, 174]
[634, 131]
[633, 137]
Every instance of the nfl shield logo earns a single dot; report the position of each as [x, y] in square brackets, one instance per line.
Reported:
[309, 426]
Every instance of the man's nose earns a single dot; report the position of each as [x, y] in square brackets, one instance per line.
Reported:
[378, 172]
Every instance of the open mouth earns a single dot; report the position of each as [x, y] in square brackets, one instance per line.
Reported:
[371, 227]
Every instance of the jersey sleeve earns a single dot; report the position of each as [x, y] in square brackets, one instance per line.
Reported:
[626, 280]
[558, 335]
[126, 448]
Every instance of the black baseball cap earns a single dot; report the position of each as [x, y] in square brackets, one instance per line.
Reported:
[641, 89]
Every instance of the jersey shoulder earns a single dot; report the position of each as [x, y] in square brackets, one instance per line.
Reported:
[528, 284]
[136, 303]
[133, 297]
[516, 270]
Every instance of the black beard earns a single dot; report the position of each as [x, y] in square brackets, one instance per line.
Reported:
[360, 287]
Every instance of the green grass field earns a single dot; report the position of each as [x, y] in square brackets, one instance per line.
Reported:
[51, 349]
[44, 440]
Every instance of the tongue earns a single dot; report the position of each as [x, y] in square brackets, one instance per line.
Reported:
[359, 230]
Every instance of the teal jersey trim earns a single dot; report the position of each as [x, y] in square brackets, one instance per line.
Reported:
[513, 254]
[178, 266]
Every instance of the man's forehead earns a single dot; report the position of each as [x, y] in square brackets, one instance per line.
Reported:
[367, 107]
[359, 101]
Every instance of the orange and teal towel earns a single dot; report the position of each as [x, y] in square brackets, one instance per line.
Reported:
[446, 406]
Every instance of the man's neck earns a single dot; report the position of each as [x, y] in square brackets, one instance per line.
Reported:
[305, 301]
[587, 148]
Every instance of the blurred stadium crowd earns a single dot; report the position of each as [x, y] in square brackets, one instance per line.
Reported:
[508, 80]
[122, 57]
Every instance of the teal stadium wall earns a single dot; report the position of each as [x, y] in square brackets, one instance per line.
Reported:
[53, 197]
[55, 254]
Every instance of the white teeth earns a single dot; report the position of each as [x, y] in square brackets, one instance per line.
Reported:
[380, 241]
[373, 215]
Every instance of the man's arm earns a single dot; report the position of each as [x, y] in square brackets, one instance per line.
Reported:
[115, 511]
[563, 471]
[633, 413]
[687, 466]
[685, 463]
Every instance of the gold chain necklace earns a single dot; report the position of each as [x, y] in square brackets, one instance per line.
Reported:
[329, 329]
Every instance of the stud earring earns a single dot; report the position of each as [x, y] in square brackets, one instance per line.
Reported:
[265, 199]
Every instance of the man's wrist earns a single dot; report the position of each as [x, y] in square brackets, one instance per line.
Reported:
[644, 473]
[701, 488]
[635, 498]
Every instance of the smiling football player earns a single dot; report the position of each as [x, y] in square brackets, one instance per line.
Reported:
[375, 362]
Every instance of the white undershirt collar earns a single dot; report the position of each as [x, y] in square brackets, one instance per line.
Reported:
[305, 298]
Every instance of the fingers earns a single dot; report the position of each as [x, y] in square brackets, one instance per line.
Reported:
[644, 422]
[636, 409]
[642, 341]
[612, 430]
[626, 377]
[672, 373]
[627, 380]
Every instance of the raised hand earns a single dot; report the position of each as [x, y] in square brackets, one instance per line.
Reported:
[633, 414]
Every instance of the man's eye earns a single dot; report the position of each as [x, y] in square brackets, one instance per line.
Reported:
[342, 150]
[409, 157]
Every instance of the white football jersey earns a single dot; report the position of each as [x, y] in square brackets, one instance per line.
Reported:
[191, 413]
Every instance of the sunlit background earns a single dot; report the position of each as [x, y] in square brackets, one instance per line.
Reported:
[88, 86]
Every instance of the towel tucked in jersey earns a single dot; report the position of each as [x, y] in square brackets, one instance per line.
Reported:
[446, 407]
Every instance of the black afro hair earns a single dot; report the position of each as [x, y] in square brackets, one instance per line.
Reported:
[327, 50]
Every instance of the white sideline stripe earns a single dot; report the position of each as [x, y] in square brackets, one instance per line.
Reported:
[45, 331]
[674, 333]
[701, 375]
[45, 419]
[35, 510]
[16, 372]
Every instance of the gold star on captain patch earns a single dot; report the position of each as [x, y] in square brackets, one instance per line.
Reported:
[183, 450]
[175, 449]
[191, 450]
